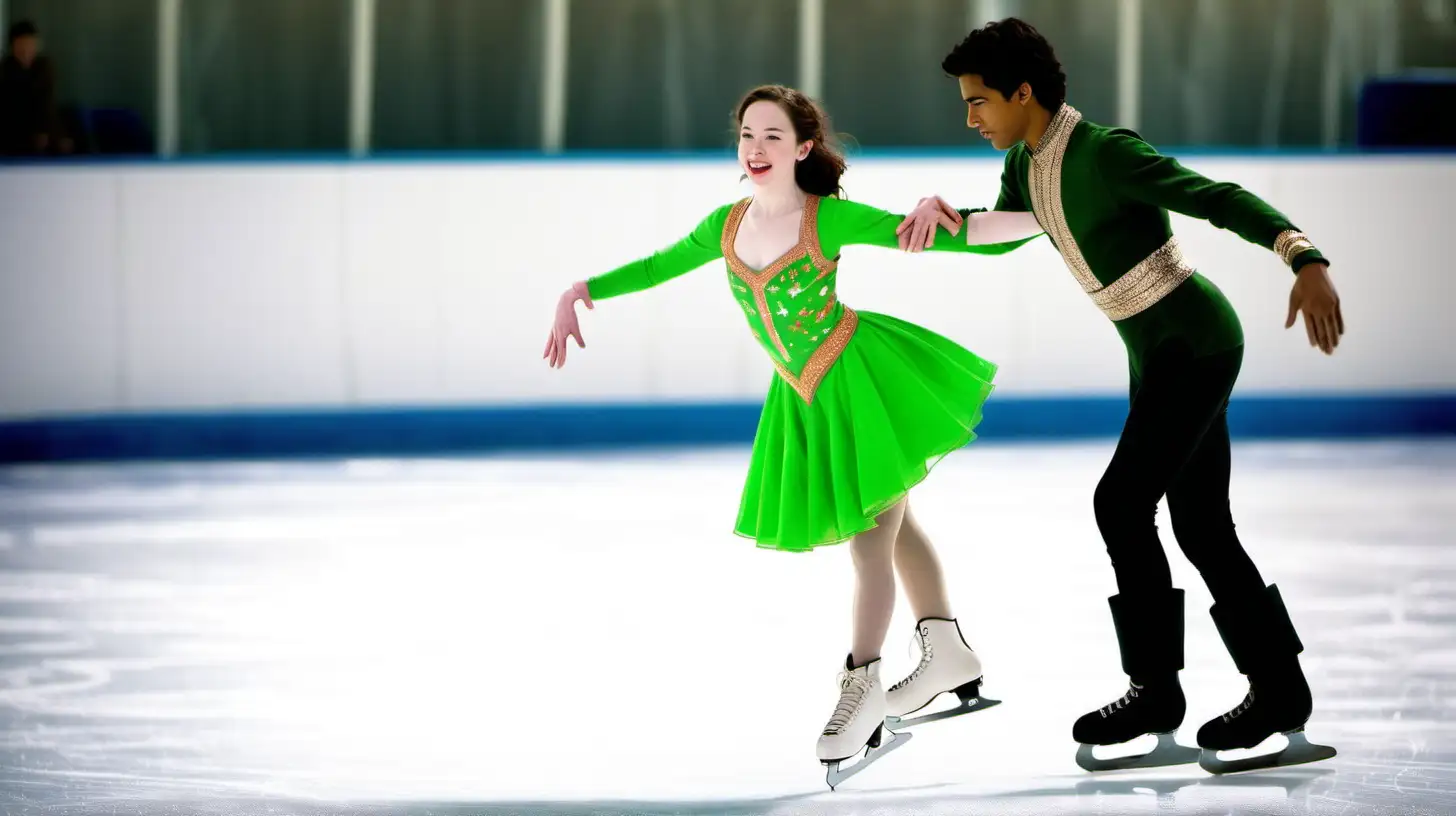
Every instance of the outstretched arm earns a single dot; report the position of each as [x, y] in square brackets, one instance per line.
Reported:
[699, 247]
[983, 233]
[1135, 170]
[702, 245]
[917, 231]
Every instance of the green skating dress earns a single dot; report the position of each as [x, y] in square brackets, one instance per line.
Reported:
[863, 404]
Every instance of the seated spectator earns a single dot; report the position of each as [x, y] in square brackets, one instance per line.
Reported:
[30, 124]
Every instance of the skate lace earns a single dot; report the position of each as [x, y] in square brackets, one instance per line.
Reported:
[1132, 693]
[1241, 707]
[923, 640]
[852, 691]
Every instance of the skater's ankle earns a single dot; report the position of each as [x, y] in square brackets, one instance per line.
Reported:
[857, 661]
[1283, 679]
[1156, 682]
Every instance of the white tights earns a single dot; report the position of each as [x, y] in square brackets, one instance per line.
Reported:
[896, 545]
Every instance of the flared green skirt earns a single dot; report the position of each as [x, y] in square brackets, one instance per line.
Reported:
[899, 398]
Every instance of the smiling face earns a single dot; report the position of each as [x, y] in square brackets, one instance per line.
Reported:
[1003, 121]
[768, 149]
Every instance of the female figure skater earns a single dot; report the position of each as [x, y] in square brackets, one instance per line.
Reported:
[862, 407]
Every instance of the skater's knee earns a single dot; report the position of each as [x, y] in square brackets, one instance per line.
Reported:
[1117, 502]
[911, 539]
[1126, 518]
[874, 549]
[1196, 520]
[877, 544]
[1190, 509]
[891, 517]
[872, 557]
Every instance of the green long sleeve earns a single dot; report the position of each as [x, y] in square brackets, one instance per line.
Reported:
[1010, 199]
[703, 245]
[1133, 169]
[846, 223]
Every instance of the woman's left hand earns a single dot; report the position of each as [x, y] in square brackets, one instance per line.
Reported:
[565, 324]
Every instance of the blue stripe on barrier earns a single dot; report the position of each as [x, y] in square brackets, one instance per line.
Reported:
[283, 433]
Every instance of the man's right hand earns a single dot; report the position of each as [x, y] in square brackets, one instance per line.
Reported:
[917, 231]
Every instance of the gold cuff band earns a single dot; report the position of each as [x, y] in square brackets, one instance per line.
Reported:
[1289, 244]
[1145, 284]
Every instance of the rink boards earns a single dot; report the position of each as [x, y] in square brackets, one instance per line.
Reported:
[239, 308]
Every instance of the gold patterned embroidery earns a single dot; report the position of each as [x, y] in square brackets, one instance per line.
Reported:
[823, 357]
[1045, 183]
[757, 280]
[834, 344]
[1289, 244]
[1145, 284]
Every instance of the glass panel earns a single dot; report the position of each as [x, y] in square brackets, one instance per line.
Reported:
[882, 80]
[665, 74]
[1234, 72]
[105, 57]
[655, 74]
[899, 97]
[458, 74]
[1083, 35]
[264, 75]
[1427, 33]
[1253, 73]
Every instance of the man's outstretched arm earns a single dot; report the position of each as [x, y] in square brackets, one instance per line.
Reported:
[917, 231]
[1134, 170]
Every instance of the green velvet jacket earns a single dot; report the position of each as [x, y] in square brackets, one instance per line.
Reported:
[1103, 196]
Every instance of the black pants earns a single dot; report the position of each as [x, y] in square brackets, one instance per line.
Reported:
[1175, 443]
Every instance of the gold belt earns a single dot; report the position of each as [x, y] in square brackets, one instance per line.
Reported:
[1145, 284]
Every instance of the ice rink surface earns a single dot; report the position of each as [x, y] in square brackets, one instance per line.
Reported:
[585, 635]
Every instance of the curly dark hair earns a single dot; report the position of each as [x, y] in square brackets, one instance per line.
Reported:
[23, 28]
[1007, 53]
[820, 171]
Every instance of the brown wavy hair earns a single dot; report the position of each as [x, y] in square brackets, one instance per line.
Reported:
[819, 172]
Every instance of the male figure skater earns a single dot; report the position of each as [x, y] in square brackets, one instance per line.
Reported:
[1103, 196]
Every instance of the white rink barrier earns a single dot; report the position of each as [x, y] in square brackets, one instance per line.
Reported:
[421, 292]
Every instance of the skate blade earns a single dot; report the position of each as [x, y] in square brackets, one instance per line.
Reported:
[837, 773]
[1168, 752]
[1299, 751]
[965, 707]
[971, 702]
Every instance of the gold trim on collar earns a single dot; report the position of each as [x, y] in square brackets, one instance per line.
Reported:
[1045, 183]
[824, 356]
[1140, 287]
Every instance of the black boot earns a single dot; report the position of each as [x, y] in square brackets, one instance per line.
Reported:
[1150, 639]
[1264, 646]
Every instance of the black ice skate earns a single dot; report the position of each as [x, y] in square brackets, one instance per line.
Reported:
[1150, 638]
[1264, 646]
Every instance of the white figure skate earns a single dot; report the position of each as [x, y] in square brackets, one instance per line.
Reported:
[858, 723]
[947, 664]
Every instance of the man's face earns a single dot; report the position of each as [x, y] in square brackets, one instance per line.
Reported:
[25, 48]
[1003, 121]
